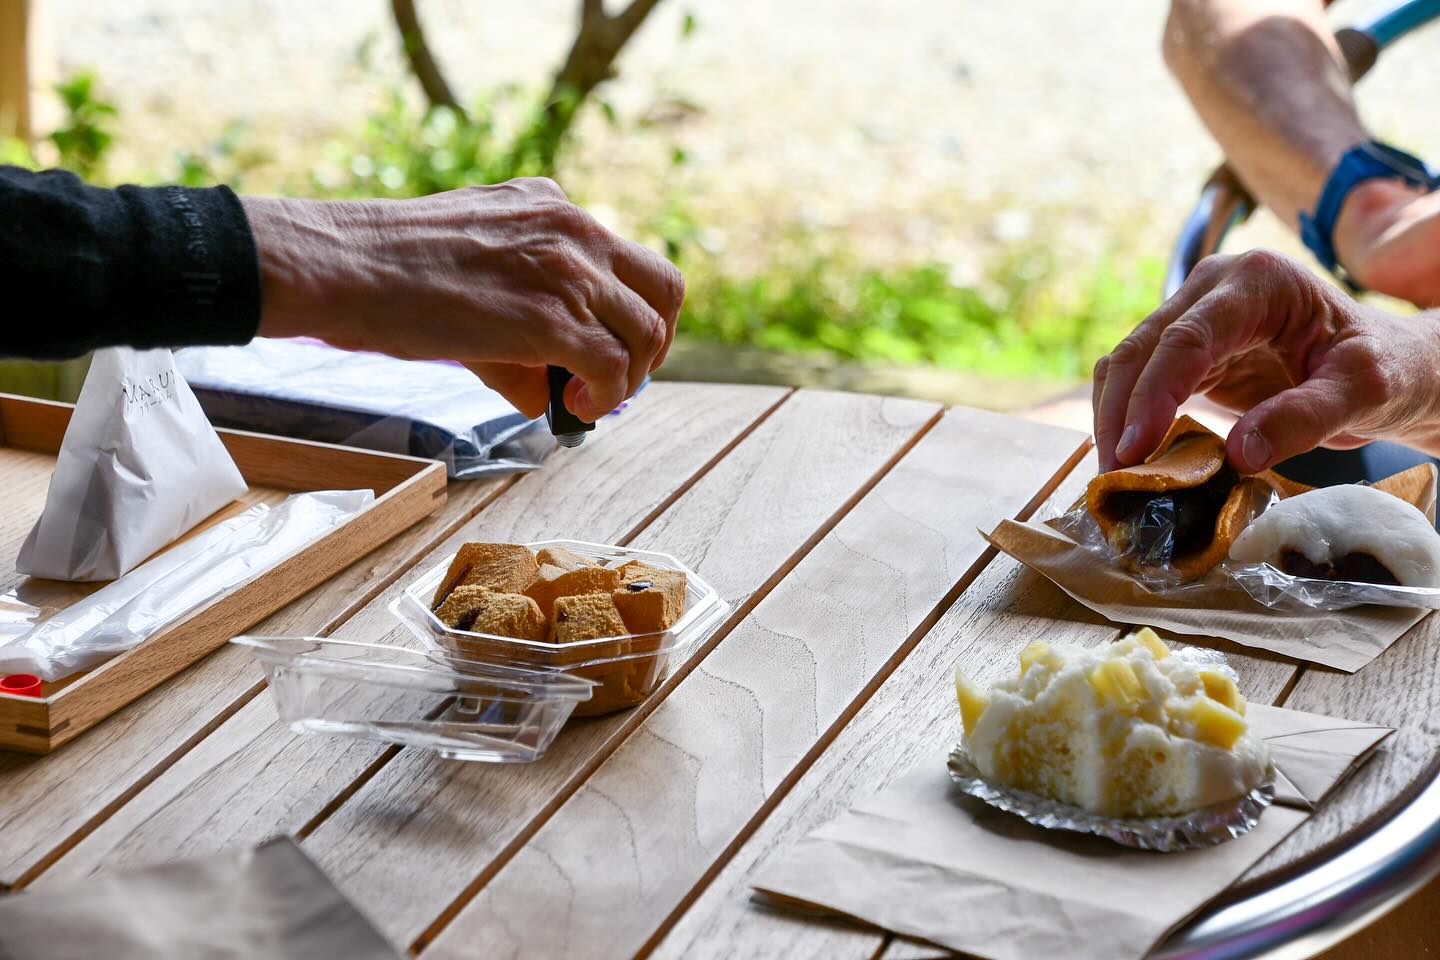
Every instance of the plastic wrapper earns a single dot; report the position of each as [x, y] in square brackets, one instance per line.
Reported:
[126, 612]
[306, 389]
[626, 669]
[1144, 545]
[461, 709]
[1198, 828]
[1276, 588]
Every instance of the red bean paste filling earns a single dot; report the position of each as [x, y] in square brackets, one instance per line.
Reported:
[1159, 528]
[1353, 568]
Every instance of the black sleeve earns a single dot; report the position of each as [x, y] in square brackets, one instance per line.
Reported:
[82, 267]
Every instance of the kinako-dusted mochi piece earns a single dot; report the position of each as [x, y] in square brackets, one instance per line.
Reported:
[553, 582]
[631, 568]
[589, 616]
[502, 567]
[650, 600]
[481, 610]
[1125, 729]
[563, 558]
[637, 667]
[458, 608]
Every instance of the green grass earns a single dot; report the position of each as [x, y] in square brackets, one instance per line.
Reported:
[1027, 319]
[1028, 316]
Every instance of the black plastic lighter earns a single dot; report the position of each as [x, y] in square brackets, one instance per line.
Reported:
[569, 429]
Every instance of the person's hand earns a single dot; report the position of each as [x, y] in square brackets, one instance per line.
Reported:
[504, 279]
[1306, 365]
[1388, 238]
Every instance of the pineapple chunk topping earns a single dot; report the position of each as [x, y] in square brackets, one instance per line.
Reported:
[1037, 650]
[1215, 723]
[1151, 641]
[1220, 688]
[973, 701]
[1117, 685]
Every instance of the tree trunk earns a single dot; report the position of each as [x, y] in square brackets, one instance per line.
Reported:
[422, 61]
[591, 61]
[15, 92]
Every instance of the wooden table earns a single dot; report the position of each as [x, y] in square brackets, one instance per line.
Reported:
[843, 530]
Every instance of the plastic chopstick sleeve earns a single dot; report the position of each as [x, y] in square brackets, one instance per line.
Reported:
[155, 594]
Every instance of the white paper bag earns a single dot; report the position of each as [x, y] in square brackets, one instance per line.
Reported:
[140, 465]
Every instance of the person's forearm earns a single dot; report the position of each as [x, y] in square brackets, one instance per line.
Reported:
[1268, 80]
[135, 266]
[507, 279]
[310, 272]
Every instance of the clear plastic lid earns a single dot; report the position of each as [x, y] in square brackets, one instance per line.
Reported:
[704, 612]
[419, 698]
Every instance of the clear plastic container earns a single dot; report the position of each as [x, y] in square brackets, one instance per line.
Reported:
[417, 698]
[626, 669]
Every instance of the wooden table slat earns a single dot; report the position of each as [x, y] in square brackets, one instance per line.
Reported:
[903, 948]
[252, 777]
[414, 838]
[649, 823]
[843, 529]
[47, 802]
[912, 719]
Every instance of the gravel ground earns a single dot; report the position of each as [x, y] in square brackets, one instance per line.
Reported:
[915, 129]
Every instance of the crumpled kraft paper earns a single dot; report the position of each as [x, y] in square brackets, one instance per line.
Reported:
[270, 902]
[923, 860]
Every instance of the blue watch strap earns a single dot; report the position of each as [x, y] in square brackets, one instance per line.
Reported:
[1367, 161]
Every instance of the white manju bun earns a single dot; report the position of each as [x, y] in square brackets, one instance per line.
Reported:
[1327, 524]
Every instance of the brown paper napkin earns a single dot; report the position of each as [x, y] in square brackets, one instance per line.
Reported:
[267, 903]
[923, 860]
[1344, 639]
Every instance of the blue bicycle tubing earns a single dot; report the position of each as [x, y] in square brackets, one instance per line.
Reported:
[1387, 27]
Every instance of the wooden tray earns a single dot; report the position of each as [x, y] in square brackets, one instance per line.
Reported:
[406, 489]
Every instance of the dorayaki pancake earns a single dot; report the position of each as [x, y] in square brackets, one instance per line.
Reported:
[1186, 489]
[1415, 486]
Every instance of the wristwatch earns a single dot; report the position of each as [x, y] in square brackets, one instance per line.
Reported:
[1372, 160]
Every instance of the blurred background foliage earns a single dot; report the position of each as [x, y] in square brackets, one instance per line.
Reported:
[1024, 313]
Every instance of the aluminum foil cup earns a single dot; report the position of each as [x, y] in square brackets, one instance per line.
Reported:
[1199, 828]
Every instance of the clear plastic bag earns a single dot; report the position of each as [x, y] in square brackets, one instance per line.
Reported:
[126, 612]
[1276, 588]
[306, 389]
[1143, 546]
